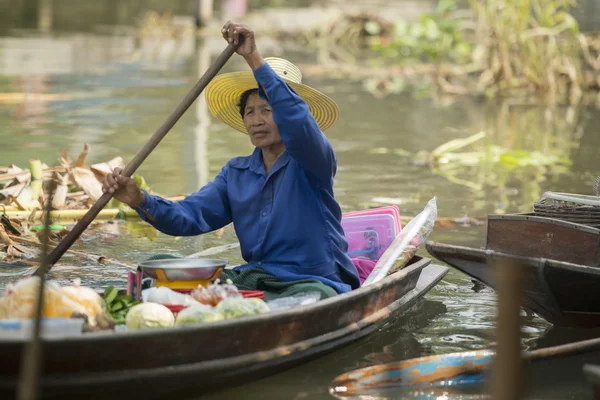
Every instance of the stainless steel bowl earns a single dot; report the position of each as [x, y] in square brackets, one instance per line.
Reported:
[183, 269]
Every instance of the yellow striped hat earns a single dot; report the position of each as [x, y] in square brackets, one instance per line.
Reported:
[223, 95]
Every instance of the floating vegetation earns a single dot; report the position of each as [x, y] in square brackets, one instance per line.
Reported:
[23, 192]
[509, 163]
[78, 186]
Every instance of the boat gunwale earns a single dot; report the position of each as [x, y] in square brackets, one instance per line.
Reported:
[493, 254]
[545, 220]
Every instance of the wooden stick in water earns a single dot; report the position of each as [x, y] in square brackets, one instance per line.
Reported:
[94, 257]
[31, 360]
[506, 380]
[139, 158]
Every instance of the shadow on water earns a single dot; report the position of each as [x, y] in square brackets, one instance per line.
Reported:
[113, 91]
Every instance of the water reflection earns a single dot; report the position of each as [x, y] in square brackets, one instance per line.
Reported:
[200, 138]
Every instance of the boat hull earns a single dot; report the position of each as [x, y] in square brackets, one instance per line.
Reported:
[189, 361]
[562, 293]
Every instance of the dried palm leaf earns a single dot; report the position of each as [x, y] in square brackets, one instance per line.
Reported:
[13, 191]
[87, 181]
[82, 156]
[105, 168]
[65, 160]
[18, 251]
[16, 173]
[4, 238]
[60, 195]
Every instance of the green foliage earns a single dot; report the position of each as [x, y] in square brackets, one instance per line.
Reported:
[436, 37]
[497, 47]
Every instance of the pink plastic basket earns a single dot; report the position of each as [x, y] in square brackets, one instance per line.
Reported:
[369, 236]
[394, 211]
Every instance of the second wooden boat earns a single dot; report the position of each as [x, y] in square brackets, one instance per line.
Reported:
[465, 374]
[564, 294]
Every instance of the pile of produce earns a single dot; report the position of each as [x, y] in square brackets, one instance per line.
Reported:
[19, 302]
[217, 302]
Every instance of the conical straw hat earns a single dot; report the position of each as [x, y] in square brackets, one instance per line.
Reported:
[223, 95]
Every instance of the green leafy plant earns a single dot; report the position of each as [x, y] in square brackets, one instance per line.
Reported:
[117, 305]
[436, 37]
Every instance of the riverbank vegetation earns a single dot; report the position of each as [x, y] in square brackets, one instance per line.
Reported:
[531, 50]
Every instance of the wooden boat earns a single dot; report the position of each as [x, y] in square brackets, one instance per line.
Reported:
[440, 370]
[191, 360]
[562, 293]
[463, 375]
[532, 236]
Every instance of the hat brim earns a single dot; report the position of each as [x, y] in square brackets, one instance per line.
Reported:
[223, 95]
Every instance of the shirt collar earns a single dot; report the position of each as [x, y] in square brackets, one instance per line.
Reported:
[255, 164]
[280, 162]
[252, 162]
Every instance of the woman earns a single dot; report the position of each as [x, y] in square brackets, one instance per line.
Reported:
[280, 199]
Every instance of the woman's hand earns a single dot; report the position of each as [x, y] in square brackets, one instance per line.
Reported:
[123, 188]
[235, 34]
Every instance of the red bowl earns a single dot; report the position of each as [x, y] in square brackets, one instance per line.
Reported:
[245, 293]
[175, 308]
[259, 294]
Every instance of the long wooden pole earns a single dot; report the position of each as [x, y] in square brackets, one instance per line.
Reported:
[139, 158]
[31, 360]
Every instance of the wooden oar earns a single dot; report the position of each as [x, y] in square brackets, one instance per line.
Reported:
[133, 165]
[437, 369]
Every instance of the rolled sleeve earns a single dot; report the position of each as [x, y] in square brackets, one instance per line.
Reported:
[146, 207]
[206, 210]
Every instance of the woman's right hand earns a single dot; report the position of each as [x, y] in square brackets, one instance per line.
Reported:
[123, 188]
[233, 33]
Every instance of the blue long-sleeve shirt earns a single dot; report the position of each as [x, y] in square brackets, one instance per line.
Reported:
[287, 222]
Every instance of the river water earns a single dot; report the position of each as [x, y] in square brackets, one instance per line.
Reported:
[114, 91]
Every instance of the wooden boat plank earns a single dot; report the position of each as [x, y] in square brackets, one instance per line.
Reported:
[533, 236]
[211, 374]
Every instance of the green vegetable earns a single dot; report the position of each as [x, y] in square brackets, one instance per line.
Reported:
[110, 295]
[149, 315]
[118, 305]
[198, 313]
[239, 307]
[258, 305]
